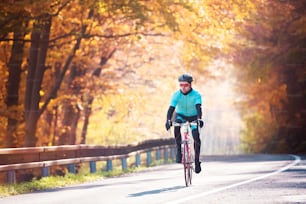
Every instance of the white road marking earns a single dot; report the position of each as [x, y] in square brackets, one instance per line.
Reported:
[295, 198]
[297, 159]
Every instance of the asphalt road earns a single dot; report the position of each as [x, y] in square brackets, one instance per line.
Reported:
[224, 179]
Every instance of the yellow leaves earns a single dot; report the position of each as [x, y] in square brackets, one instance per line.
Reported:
[258, 132]
[41, 93]
[298, 27]
[13, 112]
[212, 28]
[279, 97]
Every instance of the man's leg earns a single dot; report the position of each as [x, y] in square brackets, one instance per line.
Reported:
[178, 140]
[197, 148]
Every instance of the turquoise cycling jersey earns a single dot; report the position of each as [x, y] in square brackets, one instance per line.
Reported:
[186, 104]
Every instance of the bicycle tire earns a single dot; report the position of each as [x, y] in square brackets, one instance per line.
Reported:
[187, 165]
[190, 169]
[189, 162]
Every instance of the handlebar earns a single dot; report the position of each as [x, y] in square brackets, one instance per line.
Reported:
[195, 122]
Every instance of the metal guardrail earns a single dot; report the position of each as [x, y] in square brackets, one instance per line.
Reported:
[12, 159]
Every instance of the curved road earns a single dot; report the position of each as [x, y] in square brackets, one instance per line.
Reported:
[224, 179]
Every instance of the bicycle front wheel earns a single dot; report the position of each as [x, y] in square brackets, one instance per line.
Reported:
[187, 165]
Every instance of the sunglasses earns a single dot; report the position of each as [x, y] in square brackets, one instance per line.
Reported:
[184, 85]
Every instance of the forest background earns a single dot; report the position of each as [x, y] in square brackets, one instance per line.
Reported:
[103, 71]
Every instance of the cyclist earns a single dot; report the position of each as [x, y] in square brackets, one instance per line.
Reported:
[187, 103]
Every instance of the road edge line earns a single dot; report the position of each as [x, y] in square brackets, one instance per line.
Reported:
[297, 159]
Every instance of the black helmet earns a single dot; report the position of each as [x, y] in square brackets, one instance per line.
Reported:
[185, 77]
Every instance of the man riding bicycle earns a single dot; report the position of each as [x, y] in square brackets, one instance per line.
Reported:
[187, 103]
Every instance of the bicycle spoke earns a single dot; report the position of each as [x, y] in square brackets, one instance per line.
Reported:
[187, 164]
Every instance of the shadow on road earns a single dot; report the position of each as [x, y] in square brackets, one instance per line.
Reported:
[156, 191]
[90, 185]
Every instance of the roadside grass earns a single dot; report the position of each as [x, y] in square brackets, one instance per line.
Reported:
[52, 182]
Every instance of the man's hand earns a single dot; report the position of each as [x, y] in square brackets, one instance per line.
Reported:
[200, 123]
[168, 124]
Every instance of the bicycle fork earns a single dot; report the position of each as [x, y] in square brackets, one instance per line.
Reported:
[186, 159]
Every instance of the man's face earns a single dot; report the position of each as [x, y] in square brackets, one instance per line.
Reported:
[185, 86]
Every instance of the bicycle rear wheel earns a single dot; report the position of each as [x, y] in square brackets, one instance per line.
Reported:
[187, 165]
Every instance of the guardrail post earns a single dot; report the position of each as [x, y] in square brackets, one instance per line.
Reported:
[109, 165]
[172, 153]
[11, 176]
[158, 154]
[165, 153]
[71, 168]
[138, 160]
[92, 166]
[124, 164]
[45, 171]
[149, 158]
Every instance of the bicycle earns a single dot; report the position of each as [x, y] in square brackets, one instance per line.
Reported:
[187, 149]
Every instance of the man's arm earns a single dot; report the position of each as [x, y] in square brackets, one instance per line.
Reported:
[199, 110]
[169, 116]
[170, 112]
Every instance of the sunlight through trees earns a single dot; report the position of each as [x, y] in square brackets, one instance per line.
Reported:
[101, 72]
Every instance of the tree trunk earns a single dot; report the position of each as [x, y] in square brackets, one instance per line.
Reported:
[13, 87]
[69, 124]
[32, 111]
[295, 107]
[36, 69]
[74, 125]
[87, 113]
[89, 99]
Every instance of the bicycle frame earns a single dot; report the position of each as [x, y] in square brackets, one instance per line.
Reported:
[187, 149]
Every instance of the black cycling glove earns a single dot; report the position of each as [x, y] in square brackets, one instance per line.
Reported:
[168, 124]
[200, 123]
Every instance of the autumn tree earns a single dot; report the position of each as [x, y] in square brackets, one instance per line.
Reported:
[14, 21]
[54, 46]
[273, 76]
[14, 78]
